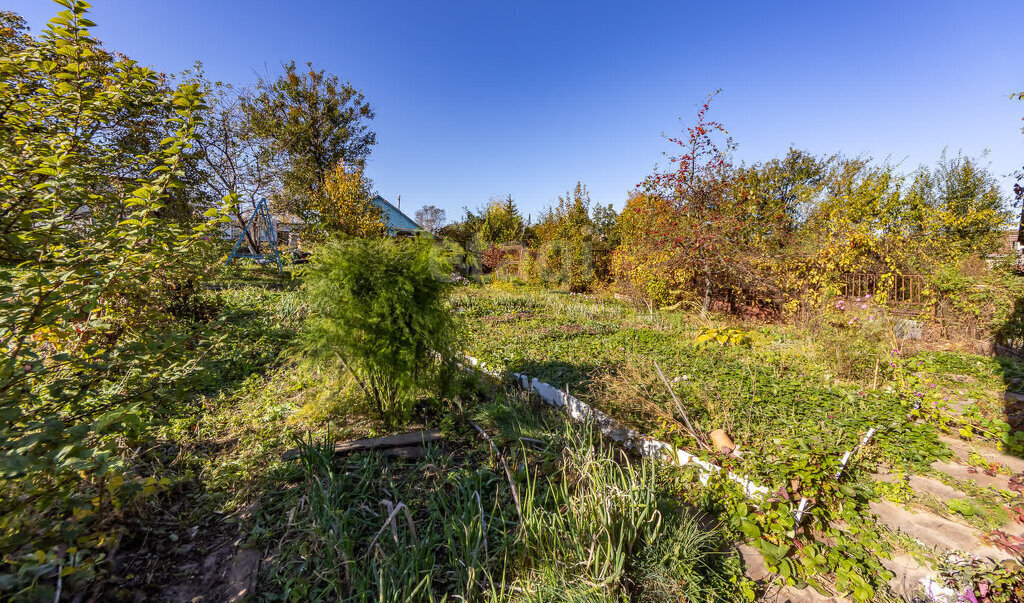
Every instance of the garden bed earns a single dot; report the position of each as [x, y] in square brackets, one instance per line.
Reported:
[776, 394]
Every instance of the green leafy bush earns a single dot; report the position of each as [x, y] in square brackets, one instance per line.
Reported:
[380, 310]
[93, 152]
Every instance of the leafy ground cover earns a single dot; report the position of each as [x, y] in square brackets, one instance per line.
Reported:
[794, 400]
[761, 394]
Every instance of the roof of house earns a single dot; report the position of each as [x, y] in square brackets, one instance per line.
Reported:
[396, 220]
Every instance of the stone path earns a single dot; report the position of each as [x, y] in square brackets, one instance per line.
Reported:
[955, 480]
[754, 562]
[935, 532]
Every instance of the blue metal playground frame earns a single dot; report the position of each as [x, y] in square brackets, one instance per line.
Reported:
[270, 231]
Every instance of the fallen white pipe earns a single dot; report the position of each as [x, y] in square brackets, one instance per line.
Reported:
[580, 411]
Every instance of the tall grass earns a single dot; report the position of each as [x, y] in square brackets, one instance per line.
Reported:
[446, 528]
[586, 519]
[350, 537]
[690, 561]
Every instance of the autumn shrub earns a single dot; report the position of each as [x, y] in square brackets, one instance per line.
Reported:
[643, 270]
[497, 257]
[579, 265]
[784, 234]
[380, 311]
[528, 266]
[568, 263]
[343, 205]
[549, 269]
[975, 302]
[465, 264]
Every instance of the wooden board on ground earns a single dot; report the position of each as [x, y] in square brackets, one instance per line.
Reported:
[411, 453]
[412, 438]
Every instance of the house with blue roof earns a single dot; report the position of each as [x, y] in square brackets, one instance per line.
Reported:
[399, 224]
[288, 227]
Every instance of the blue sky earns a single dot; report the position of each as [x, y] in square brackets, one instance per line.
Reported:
[477, 99]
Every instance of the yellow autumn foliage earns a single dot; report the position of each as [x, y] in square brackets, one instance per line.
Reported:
[344, 205]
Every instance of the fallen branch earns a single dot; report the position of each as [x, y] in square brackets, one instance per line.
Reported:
[540, 444]
[405, 452]
[689, 426]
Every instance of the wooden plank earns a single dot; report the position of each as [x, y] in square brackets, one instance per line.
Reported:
[411, 453]
[411, 438]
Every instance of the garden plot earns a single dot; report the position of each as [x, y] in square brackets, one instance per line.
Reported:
[785, 402]
[774, 401]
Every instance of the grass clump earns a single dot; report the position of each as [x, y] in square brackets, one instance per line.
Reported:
[690, 561]
[446, 527]
[586, 519]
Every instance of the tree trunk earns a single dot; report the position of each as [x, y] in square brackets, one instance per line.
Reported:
[253, 245]
[707, 287]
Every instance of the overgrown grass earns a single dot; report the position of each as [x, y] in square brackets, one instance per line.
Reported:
[594, 525]
[368, 527]
[689, 561]
[448, 527]
[794, 398]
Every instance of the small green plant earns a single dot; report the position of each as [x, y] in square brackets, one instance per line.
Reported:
[588, 517]
[380, 311]
[898, 490]
[998, 583]
[963, 507]
[725, 336]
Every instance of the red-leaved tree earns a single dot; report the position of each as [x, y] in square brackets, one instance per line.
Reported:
[683, 229]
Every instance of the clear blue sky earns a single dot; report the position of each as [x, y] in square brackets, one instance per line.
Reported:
[476, 99]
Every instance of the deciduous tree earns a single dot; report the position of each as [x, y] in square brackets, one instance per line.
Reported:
[566, 236]
[968, 209]
[694, 238]
[1018, 188]
[343, 205]
[14, 35]
[431, 218]
[86, 327]
[502, 222]
[235, 160]
[312, 121]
